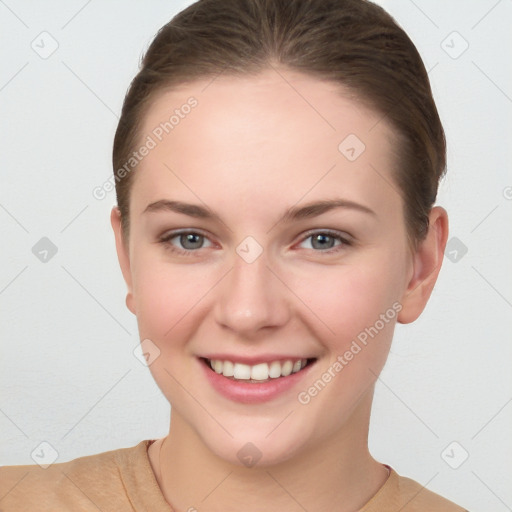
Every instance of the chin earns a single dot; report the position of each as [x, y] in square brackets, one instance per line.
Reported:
[253, 446]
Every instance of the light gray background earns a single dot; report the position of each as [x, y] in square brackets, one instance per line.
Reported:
[68, 373]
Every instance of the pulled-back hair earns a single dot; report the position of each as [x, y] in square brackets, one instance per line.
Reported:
[354, 43]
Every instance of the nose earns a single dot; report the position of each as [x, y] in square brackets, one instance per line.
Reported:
[251, 299]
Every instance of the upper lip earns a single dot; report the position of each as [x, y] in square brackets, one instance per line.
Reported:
[253, 360]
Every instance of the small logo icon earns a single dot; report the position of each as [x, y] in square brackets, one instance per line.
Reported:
[351, 147]
[249, 249]
[454, 45]
[45, 45]
[147, 352]
[249, 455]
[44, 250]
[455, 249]
[44, 454]
[454, 455]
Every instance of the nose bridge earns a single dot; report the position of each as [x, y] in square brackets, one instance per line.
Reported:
[249, 298]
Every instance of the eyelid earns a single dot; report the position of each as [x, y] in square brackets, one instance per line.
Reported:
[167, 236]
[345, 238]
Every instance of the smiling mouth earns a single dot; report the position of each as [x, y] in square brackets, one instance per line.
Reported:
[258, 373]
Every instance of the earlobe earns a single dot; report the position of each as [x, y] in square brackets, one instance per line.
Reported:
[129, 302]
[427, 262]
[122, 255]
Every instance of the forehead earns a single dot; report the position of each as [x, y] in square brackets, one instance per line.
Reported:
[254, 134]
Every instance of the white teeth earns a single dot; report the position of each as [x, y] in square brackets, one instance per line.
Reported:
[228, 369]
[241, 371]
[257, 372]
[287, 368]
[274, 370]
[217, 366]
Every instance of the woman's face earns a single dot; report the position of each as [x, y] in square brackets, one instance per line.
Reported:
[266, 226]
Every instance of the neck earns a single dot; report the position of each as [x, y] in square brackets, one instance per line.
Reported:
[336, 473]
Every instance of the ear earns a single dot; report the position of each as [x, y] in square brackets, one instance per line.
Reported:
[122, 255]
[427, 261]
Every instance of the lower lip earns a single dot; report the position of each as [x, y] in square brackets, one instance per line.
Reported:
[252, 393]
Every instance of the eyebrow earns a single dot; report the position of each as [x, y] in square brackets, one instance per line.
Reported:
[192, 210]
[316, 208]
[307, 211]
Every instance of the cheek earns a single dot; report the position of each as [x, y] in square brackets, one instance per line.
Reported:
[350, 300]
[360, 306]
[168, 299]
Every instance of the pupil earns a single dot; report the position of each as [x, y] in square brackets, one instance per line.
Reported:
[322, 242]
[191, 241]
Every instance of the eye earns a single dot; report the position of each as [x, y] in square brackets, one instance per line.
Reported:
[185, 241]
[324, 241]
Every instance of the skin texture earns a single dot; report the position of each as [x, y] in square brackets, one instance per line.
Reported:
[253, 147]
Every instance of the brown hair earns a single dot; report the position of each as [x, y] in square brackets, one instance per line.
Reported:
[352, 42]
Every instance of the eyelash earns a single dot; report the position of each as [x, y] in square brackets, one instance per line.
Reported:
[342, 238]
[344, 241]
[166, 241]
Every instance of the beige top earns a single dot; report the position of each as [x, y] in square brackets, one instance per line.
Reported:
[123, 480]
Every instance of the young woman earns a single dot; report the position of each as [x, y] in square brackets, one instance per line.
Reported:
[276, 166]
